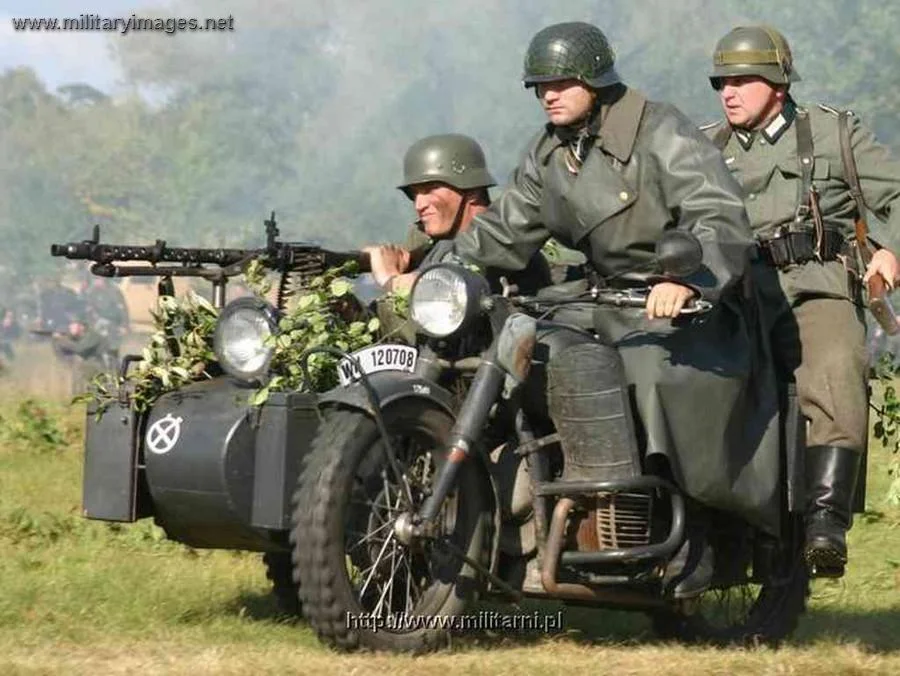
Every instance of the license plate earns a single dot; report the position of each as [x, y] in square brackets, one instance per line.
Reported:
[378, 358]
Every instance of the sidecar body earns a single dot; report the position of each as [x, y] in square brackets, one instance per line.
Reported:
[211, 470]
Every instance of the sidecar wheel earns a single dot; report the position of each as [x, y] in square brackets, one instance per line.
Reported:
[750, 614]
[280, 572]
[357, 577]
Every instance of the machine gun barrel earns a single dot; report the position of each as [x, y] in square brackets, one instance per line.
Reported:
[158, 253]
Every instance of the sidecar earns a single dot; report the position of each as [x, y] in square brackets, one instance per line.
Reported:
[211, 470]
[214, 471]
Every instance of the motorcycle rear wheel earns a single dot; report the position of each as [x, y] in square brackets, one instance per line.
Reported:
[747, 614]
[357, 578]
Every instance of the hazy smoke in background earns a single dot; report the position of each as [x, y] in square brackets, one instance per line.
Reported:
[307, 108]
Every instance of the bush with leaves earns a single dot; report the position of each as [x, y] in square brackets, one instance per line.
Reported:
[887, 419]
[33, 427]
[179, 352]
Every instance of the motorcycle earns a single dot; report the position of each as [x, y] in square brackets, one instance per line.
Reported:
[534, 486]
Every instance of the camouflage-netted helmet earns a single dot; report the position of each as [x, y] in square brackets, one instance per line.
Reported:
[570, 51]
[454, 159]
[753, 50]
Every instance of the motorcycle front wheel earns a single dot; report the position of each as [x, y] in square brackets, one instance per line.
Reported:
[361, 585]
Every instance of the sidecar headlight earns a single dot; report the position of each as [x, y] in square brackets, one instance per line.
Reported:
[240, 336]
[445, 297]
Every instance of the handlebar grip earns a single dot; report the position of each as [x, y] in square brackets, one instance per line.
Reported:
[619, 299]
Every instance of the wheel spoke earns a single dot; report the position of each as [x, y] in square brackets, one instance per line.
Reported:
[407, 607]
[387, 541]
[378, 498]
[369, 536]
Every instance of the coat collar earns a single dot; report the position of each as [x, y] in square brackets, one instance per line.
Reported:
[619, 130]
[616, 127]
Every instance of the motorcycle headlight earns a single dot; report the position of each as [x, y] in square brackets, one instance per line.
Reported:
[445, 297]
[239, 340]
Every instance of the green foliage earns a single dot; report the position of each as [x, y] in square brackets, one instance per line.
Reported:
[325, 314]
[887, 421]
[32, 427]
[180, 351]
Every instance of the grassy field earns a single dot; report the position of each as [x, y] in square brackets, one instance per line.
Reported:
[78, 596]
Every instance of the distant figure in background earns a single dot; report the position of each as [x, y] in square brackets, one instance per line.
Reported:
[107, 313]
[54, 304]
[83, 348]
[10, 331]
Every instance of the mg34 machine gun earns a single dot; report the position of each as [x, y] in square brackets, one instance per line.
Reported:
[297, 262]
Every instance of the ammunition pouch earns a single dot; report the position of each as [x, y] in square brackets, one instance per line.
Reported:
[794, 247]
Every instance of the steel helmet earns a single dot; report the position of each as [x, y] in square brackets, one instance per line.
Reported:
[754, 50]
[454, 159]
[574, 50]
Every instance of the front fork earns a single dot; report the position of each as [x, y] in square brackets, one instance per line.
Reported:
[471, 419]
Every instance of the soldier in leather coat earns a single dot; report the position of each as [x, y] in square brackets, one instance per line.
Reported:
[607, 175]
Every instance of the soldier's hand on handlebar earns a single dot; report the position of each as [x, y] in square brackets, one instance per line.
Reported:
[666, 300]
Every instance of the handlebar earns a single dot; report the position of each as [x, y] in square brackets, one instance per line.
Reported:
[634, 298]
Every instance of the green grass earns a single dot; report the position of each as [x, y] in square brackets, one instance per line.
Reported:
[79, 596]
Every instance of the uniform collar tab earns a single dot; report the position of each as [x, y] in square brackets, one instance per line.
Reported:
[744, 137]
[781, 123]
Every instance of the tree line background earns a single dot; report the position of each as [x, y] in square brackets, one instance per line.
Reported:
[306, 108]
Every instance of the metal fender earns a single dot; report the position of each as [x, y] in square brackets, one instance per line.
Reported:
[389, 387]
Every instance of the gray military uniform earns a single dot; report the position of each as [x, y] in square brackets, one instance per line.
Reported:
[811, 309]
[649, 170]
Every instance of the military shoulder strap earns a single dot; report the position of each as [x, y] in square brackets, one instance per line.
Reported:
[850, 172]
[722, 136]
[806, 158]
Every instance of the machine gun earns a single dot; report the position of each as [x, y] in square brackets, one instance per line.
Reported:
[297, 262]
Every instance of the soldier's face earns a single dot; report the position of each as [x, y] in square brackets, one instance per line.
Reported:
[749, 101]
[565, 102]
[436, 206]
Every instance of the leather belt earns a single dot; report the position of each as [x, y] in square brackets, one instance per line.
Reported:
[790, 248]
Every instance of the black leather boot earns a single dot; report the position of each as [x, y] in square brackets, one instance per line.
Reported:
[690, 571]
[830, 481]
